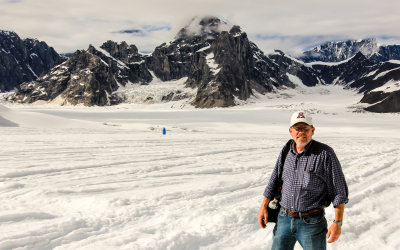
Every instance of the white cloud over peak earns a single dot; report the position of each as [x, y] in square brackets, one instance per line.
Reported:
[291, 26]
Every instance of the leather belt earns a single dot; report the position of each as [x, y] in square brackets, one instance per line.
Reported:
[302, 214]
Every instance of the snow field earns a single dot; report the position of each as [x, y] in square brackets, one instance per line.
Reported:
[106, 178]
[91, 190]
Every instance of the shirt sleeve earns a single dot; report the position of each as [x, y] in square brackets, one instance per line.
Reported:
[273, 185]
[337, 186]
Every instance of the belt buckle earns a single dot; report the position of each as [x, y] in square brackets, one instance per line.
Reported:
[294, 215]
[311, 211]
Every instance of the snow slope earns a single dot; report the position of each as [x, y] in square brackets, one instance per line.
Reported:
[106, 178]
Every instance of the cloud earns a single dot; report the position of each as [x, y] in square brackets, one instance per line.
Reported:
[388, 40]
[145, 29]
[152, 28]
[294, 45]
[134, 32]
[68, 25]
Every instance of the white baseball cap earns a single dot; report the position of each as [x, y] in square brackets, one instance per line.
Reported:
[301, 116]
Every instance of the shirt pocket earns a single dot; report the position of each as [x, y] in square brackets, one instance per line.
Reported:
[313, 177]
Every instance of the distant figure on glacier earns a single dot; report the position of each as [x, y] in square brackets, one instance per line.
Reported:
[307, 177]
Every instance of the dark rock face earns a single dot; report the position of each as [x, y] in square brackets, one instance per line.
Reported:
[381, 89]
[225, 71]
[346, 72]
[89, 77]
[377, 76]
[83, 79]
[387, 102]
[288, 66]
[173, 61]
[181, 57]
[242, 69]
[23, 60]
[386, 53]
[124, 61]
[123, 52]
[191, 54]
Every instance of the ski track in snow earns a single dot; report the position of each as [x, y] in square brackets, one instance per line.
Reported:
[102, 188]
[198, 187]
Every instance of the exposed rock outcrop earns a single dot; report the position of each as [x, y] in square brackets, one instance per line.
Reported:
[23, 60]
[387, 102]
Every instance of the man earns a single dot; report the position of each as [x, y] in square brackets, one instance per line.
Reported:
[311, 179]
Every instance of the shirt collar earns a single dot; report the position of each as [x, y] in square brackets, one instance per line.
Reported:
[305, 149]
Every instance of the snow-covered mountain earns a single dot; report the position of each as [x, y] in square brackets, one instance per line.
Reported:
[222, 64]
[23, 60]
[343, 50]
[378, 82]
[224, 67]
[210, 63]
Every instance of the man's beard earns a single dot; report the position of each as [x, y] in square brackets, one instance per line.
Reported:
[303, 143]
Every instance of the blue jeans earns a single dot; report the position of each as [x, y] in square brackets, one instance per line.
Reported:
[310, 231]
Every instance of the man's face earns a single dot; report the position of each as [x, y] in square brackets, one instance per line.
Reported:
[301, 133]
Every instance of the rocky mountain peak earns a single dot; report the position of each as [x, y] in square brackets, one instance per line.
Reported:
[368, 46]
[360, 58]
[205, 27]
[6, 37]
[7, 33]
[235, 30]
[122, 51]
[211, 22]
[339, 51]
[23, 60]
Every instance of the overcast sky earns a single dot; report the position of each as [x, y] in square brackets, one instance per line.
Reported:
[292, 26]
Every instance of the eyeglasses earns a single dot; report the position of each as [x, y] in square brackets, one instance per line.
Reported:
[302, 128]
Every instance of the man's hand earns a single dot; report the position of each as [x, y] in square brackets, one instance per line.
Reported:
[263, 214]
[334, 232]
[263, 217]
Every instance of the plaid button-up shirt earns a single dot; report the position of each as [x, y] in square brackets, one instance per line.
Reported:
[311, 179]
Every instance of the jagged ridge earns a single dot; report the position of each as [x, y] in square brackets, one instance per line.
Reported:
[339, 51]
[216, 58]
